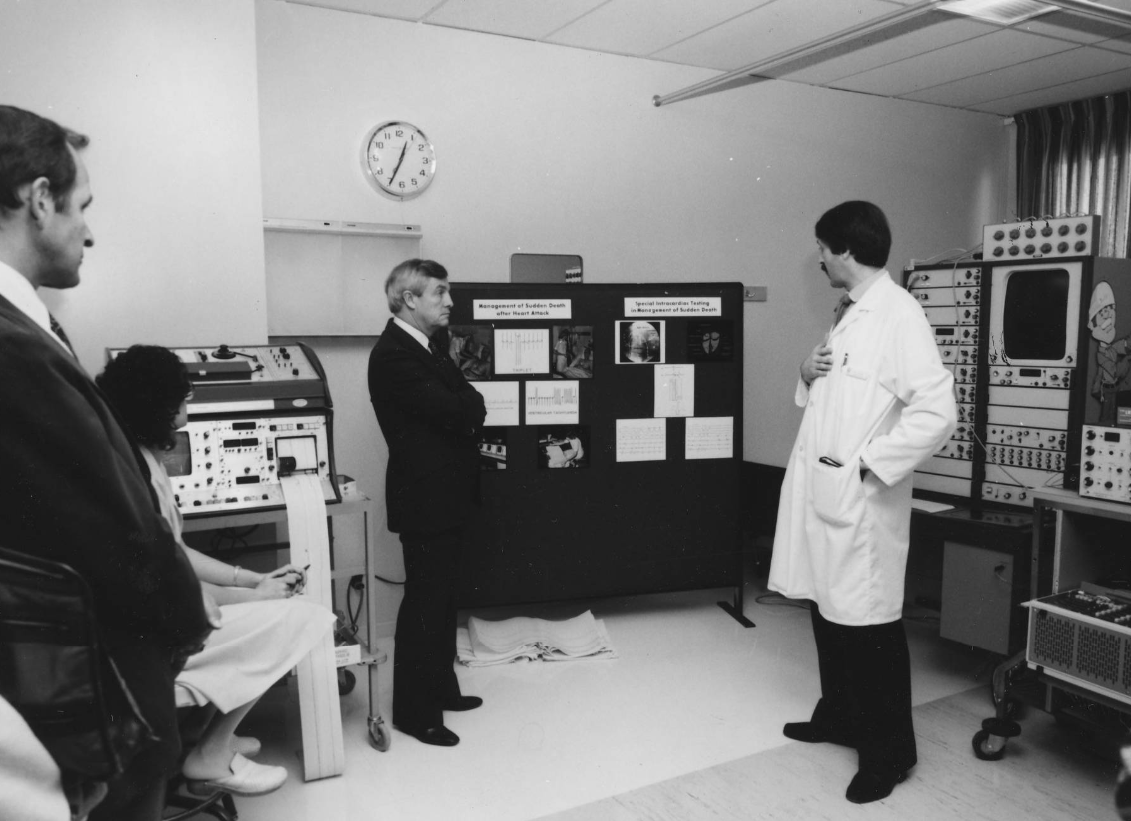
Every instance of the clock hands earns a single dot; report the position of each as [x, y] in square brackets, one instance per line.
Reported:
[401, 160]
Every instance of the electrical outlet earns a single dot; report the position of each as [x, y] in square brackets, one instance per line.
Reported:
[754, 293]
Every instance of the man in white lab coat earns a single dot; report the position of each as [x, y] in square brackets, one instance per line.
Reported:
[878, 402]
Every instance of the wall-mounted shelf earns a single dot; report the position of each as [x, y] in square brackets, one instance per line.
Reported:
[342, 227]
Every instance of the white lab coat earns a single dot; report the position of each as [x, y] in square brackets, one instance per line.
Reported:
[887, 386]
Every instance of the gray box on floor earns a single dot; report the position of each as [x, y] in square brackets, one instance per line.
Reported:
[977, 588]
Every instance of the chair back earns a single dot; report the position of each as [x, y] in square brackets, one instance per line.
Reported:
[55, 671]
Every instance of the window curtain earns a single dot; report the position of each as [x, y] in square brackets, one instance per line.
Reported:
[1075, 159]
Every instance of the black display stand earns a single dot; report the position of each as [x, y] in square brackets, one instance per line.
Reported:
[610, 528]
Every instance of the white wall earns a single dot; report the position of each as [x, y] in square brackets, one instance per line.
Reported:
[544, 149]
[166, 90]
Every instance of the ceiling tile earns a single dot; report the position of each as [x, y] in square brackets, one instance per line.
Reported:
[401, 9]
[935, 31]
[1056, 69]
[513, 18]
[1079, 90]
[1001, 48]
[772, 29]
[641, 27]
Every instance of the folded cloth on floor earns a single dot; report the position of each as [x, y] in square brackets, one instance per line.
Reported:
[528, 639]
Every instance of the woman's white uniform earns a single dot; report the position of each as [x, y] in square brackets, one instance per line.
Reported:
[888, 402]
[257, 643]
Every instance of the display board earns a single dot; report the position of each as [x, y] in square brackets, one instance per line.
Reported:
[611, 459]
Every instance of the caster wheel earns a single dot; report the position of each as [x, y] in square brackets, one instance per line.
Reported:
[988, 747]
[379, 736]
[346, 682]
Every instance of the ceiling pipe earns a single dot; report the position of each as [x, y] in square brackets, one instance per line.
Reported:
[864, 29]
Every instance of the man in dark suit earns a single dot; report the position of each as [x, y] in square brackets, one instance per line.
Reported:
[72, 488]
[431, 418]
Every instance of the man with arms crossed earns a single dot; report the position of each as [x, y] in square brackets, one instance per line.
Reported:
[431, 418]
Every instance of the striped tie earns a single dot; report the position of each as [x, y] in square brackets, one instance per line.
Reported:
[842, 308]
[57, 329]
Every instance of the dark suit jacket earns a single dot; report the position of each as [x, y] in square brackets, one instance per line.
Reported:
[72, 490]
[431, 418]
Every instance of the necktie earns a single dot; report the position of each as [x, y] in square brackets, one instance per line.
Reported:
[842, 308]
[439, 353]
[57, 329]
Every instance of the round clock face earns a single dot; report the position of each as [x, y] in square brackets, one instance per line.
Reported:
[398, 160]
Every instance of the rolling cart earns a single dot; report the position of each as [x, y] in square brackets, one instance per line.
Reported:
[1078, 646]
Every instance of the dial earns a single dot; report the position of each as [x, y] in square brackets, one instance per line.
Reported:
[398, 159]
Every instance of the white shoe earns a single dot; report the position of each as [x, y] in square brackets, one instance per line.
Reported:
[247, 778]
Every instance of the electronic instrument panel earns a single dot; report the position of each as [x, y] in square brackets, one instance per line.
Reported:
[257, 413]
[1105, 463]
[1041, 238]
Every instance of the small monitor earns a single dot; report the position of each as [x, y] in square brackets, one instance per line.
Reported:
[1035, 315]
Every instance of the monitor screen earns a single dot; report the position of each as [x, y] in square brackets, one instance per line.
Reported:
[178, 461]
[1035, 314]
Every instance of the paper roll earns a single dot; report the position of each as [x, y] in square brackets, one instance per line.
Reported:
[319, 705]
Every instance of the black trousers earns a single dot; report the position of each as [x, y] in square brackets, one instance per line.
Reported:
[424, 674]
[866, 690]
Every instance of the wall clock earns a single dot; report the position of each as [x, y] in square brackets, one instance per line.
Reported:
[398, 160]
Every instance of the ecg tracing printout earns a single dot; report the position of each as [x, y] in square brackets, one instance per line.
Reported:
[709, 437]
[642, 440]
[522, 350]
[553, 403]
[501, 399]
[675, 390]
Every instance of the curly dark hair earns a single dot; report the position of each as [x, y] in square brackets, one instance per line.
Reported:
[147, 384]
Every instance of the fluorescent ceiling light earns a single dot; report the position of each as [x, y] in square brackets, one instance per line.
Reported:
[1001, 12]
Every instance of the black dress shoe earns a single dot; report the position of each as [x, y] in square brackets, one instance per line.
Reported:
[870, 785]
[440, 736]
[812, 733]
[461, 703]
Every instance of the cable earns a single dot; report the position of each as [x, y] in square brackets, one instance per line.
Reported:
[386, 581]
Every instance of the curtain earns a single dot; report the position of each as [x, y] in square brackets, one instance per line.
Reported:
[1075, 159]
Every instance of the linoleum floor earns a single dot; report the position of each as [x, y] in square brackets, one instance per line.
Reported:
[692, 696]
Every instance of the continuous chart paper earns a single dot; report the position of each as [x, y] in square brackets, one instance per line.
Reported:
[709, 437]
[553, 403]
[501, 399]
[675, 390]
[642, 440]
[522, 350]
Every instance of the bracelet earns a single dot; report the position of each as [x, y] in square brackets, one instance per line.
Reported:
[236, 576]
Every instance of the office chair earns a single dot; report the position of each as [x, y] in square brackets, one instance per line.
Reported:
[55, 672]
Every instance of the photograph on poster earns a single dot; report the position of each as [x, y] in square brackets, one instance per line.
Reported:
[563, 446]
[493, 450]
[469, 346]
[710, 340]
[640, 341]
[573, 352]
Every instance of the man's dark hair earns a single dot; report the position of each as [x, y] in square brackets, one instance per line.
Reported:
[147, 384]
[32, 147]
[859, 227]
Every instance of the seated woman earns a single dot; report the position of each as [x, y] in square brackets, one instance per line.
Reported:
[265, 630]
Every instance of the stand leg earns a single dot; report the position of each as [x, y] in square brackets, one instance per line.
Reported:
[735, 609]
